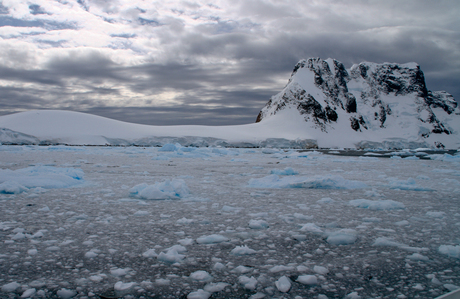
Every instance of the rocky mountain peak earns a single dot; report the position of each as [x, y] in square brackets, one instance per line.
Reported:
[367, 97]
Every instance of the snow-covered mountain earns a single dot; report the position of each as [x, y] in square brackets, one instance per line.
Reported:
[323, 105]
[369, 105]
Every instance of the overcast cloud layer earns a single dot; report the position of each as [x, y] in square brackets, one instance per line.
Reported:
[205, 62]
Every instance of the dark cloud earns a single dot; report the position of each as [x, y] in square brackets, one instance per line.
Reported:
[223, 70]
[36, 9]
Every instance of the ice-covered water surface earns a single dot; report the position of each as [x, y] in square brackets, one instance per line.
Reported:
[201, 222]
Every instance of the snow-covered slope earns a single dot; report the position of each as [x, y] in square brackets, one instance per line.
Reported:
[323, 105]
[369, 105]
[74, 128]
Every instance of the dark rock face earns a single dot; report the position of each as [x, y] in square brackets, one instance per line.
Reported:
[364, 94]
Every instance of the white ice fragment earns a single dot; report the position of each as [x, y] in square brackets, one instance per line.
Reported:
[184, 221]
[10, 287]
[307, 279]
[451, 287]
[450, 250]
[320, 270]
[178, 248]
[169, 189]
[353, 295]
[211, 239]
[150, 253]
[123, 288]
[419, 287]
[280, 268]
[66, 294]
[342, 237]
[215, 287]
[242, 250]
[119, 272]
[326, 200]
[377, 204]
[283, 284]
[141, 213]
[242, 270]
[201, 276]
[311, 227]
[218, 267]
[316, 182]
[28, 293]
[436, 214]
[285, 171]
[48, 177]
[162, 282]
[418, 257]
[185, 242]
[402, 223]
[199, 294]
[90, 254]
[32, 251]
[52, 248]
[12, 187]
[248, 283]
[96, 278]
[258, 224]
[171, 256]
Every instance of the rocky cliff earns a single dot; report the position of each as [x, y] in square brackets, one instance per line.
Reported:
[388, 100]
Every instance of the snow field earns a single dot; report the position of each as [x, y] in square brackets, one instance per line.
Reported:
[99, 237]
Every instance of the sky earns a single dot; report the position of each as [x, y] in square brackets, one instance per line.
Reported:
[211, 62]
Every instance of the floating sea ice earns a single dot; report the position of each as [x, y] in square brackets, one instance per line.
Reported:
[169, 147]
[436, 214]
[150, 253]
[141, 213]
[162, 282]
[211, 239]
[215, 287]
[218, 267]
[326, 200]
[119, 272]
[171, 256]
[409, 185]
[248, 283]
[29, 293]
[307, 279]
[242, 270]
[283, 284]
[242, 250]
[312, 228]
[185, 242]
[169, 189]
[96, 278]
[377, 204]
[48, 177]
[418, 257]
[342, 237]
[353, 295]
[199, 294]
[123, 288]
[286, 171]
[320, 270]
[90, 254]
[258, 224]
[281, 268]
[201, 276]
[10, 287]
[316, 182]
[66, 294]
[450, 250]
